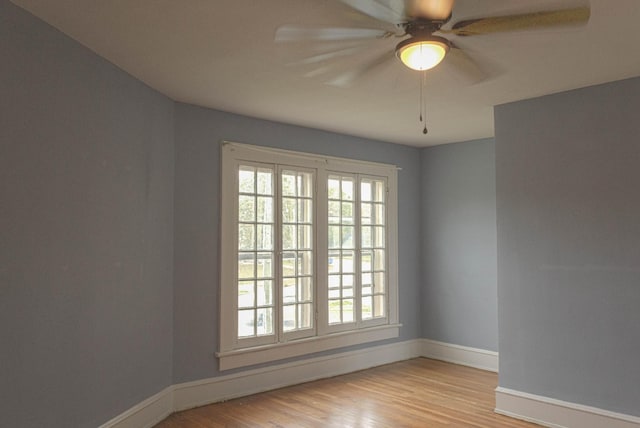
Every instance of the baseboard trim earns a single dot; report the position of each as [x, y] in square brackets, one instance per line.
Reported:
[206, 391]
[520, 405]
[202, 392]
[188, 395]
[554, 413]
[462, 355]
[145, 414]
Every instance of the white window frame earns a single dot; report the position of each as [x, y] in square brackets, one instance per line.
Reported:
[232, 353]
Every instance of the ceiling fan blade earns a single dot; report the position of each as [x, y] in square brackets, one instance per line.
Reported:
[290, 33]
[318, 71]
[525, 21]
[437, 10]
[347, 78]
[379, 11]
[328, 55]
[465, 67]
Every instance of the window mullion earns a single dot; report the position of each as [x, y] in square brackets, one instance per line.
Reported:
[358, 255]
[322, 252]
[278, 254]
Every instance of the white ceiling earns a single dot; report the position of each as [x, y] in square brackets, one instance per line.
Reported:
[221, 54]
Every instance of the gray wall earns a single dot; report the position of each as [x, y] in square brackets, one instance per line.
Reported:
[86, 185]
[459, 294]
[109, 274]
[197, 194]
[568, 177]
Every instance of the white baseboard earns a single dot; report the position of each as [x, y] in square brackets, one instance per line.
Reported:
[201, 392]
[558, 414]
[462, 355]
[541, 410]
[145, 414]
[198, 393]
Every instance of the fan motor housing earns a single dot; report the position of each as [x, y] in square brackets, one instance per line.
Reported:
[420, 27]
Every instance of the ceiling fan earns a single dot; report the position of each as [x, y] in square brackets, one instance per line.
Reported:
[426, 36]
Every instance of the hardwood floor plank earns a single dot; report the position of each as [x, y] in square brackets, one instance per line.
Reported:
[414, 393]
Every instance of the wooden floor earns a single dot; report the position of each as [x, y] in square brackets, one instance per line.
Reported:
[415, 393]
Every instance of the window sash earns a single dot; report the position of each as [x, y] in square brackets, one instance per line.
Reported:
[258, 315]
[334, 277]
[294, 302]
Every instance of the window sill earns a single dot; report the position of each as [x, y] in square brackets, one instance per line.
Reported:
[261, 354]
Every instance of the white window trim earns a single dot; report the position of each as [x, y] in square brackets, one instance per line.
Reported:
[230, 355]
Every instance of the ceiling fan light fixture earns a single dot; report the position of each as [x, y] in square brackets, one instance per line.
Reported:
[422, 53]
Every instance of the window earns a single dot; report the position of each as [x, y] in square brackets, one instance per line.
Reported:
[308, 254]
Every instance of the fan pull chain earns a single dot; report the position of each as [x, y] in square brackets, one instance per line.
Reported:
[423, 101]
[421, 94]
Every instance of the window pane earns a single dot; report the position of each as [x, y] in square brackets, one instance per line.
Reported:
[378, 306]
[289, 290]
[334, 212]
[305, 291]
[304, 237]
[265, 293]
[305, 184]
[289, 238]
[335, 312]
[264, 237]
[347, 261]
[378, 236]
[305, 212]
[289, 210]
[265, 180]
[347, 280]
[333, 188]
[246, 237]
[347, 292]
[305, 263]
[246, 296]
[289, 316]
[366, 280]
[265, 209]
[246, 208]
[246, 323]
[246, 265]
[347, 237]
[379, 191]
[334, 262]
[367, 310]
[365, 237]
[378, 260]
[334, 281]
[264, 265]
[334, 236]
[347, 213]
[265, 321]
[365, 190]
[335, 293]
[305, 313]
[379, 214]
[365, 213]
[288, 184]
[289, 264]
[347, 310]
[246, 179]
[347, 189]
[365, 260]
[379, 282]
